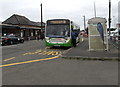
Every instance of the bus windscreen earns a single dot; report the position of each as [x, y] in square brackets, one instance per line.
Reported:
[58, 31]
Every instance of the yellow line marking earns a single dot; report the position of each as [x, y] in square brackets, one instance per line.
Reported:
[47, 47]
[26, 53]
[60, 52]
[55, 53]
[46, 53]
[43, 52]
[31, 53]
[39, 50]
[50, 53]
[9, 59]
[29, 61]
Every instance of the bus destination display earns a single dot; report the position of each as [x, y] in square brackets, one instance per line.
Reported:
[58, 22]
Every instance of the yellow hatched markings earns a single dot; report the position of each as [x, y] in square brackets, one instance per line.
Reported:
[55, 53]
[31, 53]
[48, 53]
[43, 52]
[9, 59]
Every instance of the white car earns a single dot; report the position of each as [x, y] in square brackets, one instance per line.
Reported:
[111, 34]
[116, 34]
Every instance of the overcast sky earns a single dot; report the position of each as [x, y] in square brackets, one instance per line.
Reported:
[68, 9]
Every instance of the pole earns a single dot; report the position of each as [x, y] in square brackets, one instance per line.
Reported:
[109, 16]
[94, 8]
[41, 33]
[41, 17]
[84, 23]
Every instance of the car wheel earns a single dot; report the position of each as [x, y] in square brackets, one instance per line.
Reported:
[2, 44]
[11, 42]
[22, 41]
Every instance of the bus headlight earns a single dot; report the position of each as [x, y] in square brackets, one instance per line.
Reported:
[47, 39]
[67, 39]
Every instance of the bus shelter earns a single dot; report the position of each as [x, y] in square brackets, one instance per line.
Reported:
[97, 30]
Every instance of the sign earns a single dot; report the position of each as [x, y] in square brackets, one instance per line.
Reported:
[57, 22]
[100, 30]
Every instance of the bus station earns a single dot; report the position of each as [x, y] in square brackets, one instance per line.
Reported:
[59, 43]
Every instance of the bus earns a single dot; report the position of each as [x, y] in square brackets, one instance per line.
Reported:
[58, 32]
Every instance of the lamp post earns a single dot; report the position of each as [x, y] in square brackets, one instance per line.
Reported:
[42, 35]
[41, 17]
[84, 23]
[94, 9]
[109, 19]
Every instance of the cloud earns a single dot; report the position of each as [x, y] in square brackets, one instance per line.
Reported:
[70, 9]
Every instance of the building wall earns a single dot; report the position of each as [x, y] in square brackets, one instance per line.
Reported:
[11, 31]
[118, 25]
[30, 34]
[27, 34]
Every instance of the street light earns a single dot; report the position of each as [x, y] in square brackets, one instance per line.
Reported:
[94, 8]
[41, 16]
[42, 35]
[84, 23]
[109, 19]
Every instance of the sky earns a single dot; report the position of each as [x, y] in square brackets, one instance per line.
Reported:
[54, 9]
[119, 12]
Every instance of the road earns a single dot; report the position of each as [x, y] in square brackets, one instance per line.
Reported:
[116, 43]
[32, 63]
[29, 51]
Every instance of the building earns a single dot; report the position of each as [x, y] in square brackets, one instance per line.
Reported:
[22, 26]
[118, 25]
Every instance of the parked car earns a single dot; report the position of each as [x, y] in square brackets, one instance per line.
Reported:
[112, 34]
[11, 39]
[117, 34]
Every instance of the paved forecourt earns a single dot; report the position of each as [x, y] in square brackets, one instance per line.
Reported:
[82, 52]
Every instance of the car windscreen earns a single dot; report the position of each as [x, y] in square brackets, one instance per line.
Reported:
[12, 36]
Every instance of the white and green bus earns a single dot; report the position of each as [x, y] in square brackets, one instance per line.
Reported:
[58, 32]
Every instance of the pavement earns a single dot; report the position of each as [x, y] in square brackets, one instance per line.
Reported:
[82, 52]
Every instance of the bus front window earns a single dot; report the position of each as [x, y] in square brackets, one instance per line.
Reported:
[58, 30]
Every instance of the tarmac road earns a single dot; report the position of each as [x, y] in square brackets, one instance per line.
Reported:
[32, 64]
